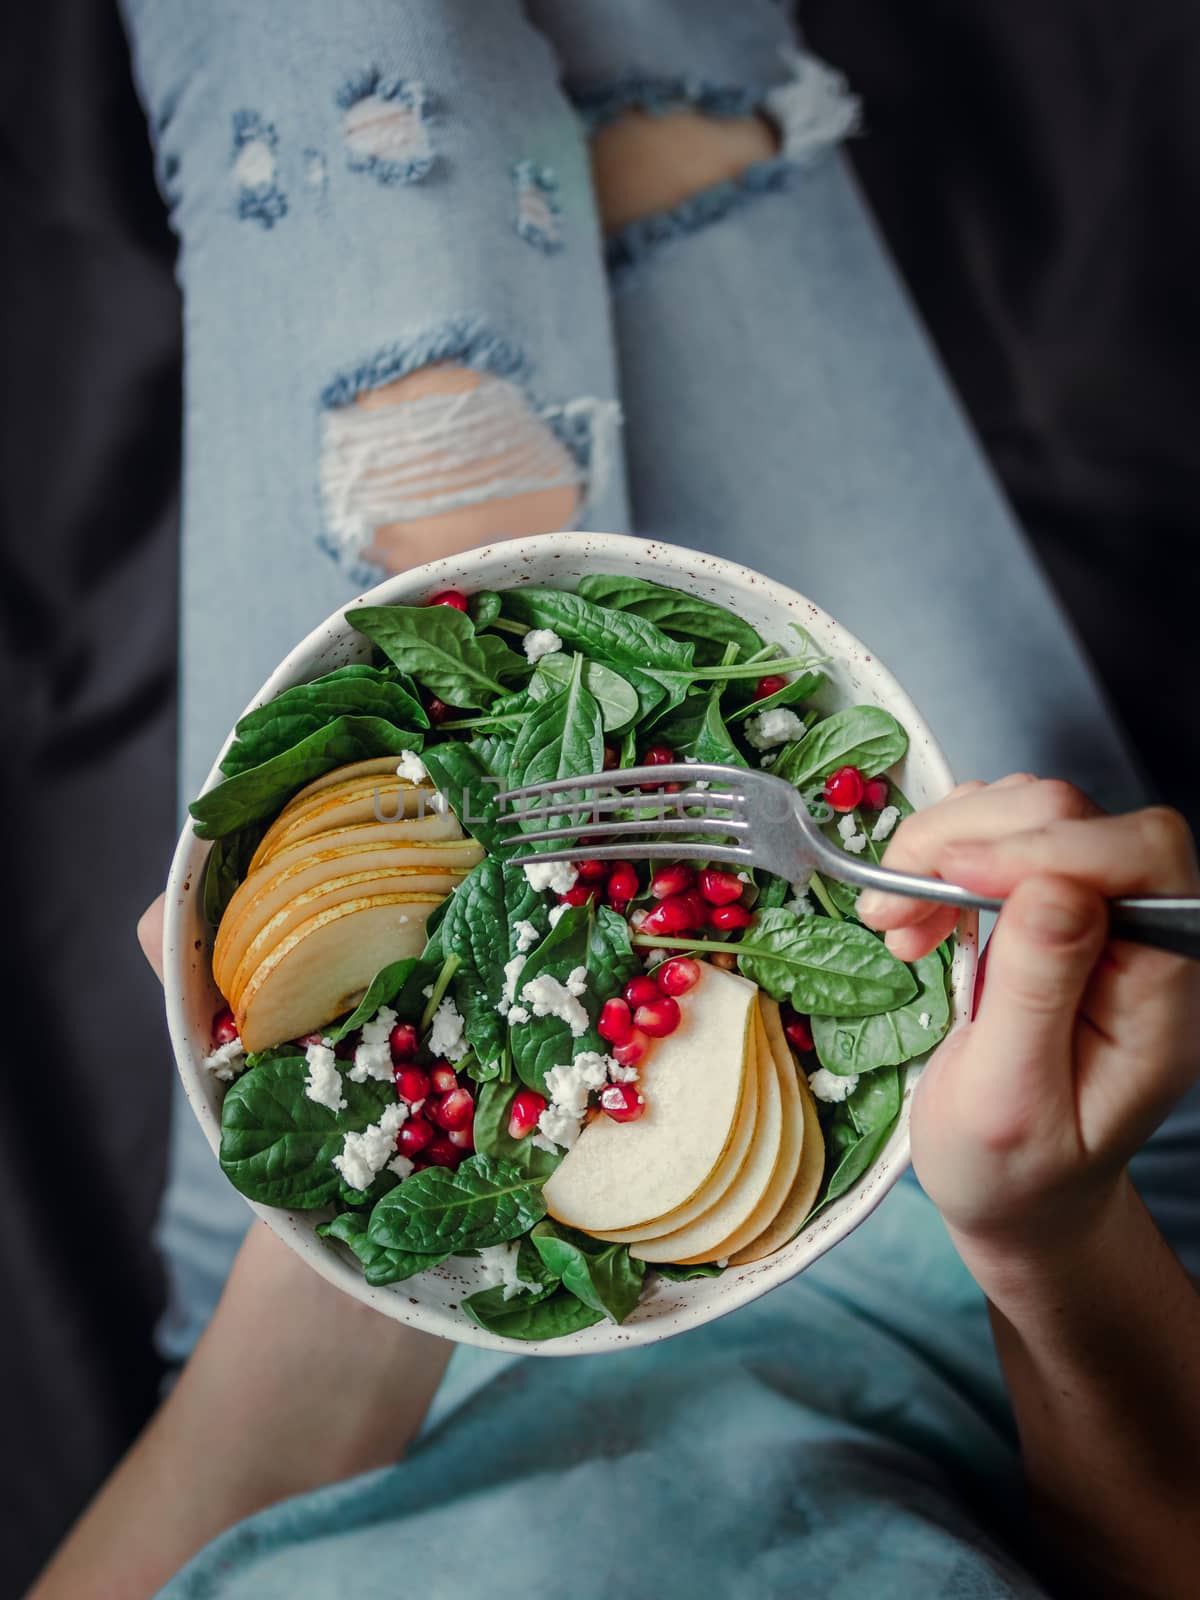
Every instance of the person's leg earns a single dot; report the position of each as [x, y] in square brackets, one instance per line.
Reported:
[397, 345]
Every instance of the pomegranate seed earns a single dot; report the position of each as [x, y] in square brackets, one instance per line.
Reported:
[592, 871]
[727, 917]
[450, 597]
[612, 757]
[844, 788]
[630, 1051]
[443, 1078]
[414, 1136]
[412, 1084]
[622, 1102]
[615, 1022]
[307, 1039]
[438, 710]
[658, 755]
[224, 1028]
[440, 1152]
[799, 1034]
[622, 883]
[720, 888]
[453, 1110]
[875, 794]
[701, 910]
[638, 991]
[462, 1138]
[676, 914]
[657, 1017]
[579, 894]
[771, 684]
[671, 788]
[527, 1107]
[678, 975]
[671, 880]
[403, 1041]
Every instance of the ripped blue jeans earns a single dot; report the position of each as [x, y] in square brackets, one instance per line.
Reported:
[367, 192]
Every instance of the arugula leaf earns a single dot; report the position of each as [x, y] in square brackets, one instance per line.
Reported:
[617, 638]
[381, 991]
[476, 930]
[261, 791]
[678, 614]
[482, 1202]
[471, 784]
[545, 1042]
[615, 695]
[823, 967]
[675, 1274]
[563, 737]
[860, 736]
[490, 1130]
[526, 1317]
[277, 1145]
[604, 1277]
[862, 1044]
[227, 864]
[440, 648]
[379, 1264]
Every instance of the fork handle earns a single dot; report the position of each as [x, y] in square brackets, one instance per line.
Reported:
[1167, 922]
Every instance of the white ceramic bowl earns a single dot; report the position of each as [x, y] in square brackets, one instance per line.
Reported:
[431, 1299]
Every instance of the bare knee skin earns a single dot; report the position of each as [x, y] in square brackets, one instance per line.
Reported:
[642, 164]
[519, 446]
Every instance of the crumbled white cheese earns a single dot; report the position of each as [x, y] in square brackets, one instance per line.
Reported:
[527, 935]
[439, 803]
[427, 991]
[558, 912]
[744, 877]
[401, 1165]
[512, 972]
[411, 768]
[559, 1126]
[557, 875]
[499, 1263]
[446, 1037]
[924, 1020]
[569, 1085]
[547, 997]
[619, 1074]
[884, 823]
[324, 1081]
[774, 727]
[697, 783]
[539, 642]
[655, 957]
[364, 1154]
[831, 1086]
[854, 841]
[801, 905]
[722, 1261]
[517, 1014]
[540, 1142]
[373, 1057]
[227, 1061]
[768, 761]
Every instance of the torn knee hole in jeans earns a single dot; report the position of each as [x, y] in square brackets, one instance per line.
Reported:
[455, 452]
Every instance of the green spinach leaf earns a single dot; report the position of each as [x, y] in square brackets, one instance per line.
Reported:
[545, 1042]
[615, 695]
[293, 715]
[482, 1202]
[604, 1277]
[227, 864]
[682, 616]
[379, 1265]
[563, 737]
[526, 1317]
[862, 1044]
[823, 967]
[490, 1128]
[464, 774]
[858, 1129]
[382, 990]
[440, 648]
[617, 638]
[860, 736]
[703, 1269]
[476, 930]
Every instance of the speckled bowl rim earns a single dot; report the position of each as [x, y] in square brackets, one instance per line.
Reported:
[666, 1309]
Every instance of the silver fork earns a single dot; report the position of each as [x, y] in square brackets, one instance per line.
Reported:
[752, 819]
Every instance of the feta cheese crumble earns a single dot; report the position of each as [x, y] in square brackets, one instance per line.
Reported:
[512, 972]
[411, 768]
[831, 1086]
[655, 957]
[558, 912]
[324, 1081]
[364, 1154]
[924, 1020]
[547, 997]
[557, 875]
[401, 1165]
[884, 824]
[499, 1263]
[853, 840]
[373, 1057]
[556, 1127]
[446, 1037]
[774, 727]
[571, 1084]
[800, 904]
[539, 642]
[527, 935]
[227, 1061]
[439, 803]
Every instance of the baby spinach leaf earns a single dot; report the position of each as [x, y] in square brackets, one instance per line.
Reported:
[604, 1277]
[301, 710]
[261, 791]
[611, 958]
[703, 1269]
[526, 1317]
[563, 737]
[774, 891]
[476, 930]
[696, 729]
[858, 1129]
[490, 1129]
[617, 638]
[471, 784]
[483, 608]
[678, 614]
[823, 967]
[483, 1202]
[860, 736]
[800, 688]
[615, 695]
[364, 1199]
[227, 864]
[379, 1264]
[381, 991]
[862, 1044]
[277, 1145]
[440, 648]
[545, 1042]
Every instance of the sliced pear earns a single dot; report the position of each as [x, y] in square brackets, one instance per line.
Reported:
[799, 1203]
[269, 890]
[408, 832]
[323, 967]
[358, 800]
[373, 767]
[358, 812]
[704, 1238]
[620, 1175]
[724, 1173]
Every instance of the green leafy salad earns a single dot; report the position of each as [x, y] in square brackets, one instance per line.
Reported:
[577, 1074]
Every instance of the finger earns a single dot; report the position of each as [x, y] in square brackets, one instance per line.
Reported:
[1014, 804]
[150, 934]
[919, 938]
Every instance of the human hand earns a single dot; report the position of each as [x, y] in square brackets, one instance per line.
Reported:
[1024, 1120]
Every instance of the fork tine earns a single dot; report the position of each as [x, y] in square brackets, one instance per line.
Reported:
[614, 802]
[630, 850]
[623, 777]
[639, 830]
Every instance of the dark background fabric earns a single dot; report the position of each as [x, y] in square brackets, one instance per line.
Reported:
[1034, 170]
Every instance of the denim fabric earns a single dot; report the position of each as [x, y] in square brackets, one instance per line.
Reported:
[782, 407]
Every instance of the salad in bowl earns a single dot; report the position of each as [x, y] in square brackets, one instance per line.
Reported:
[565, 1104]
